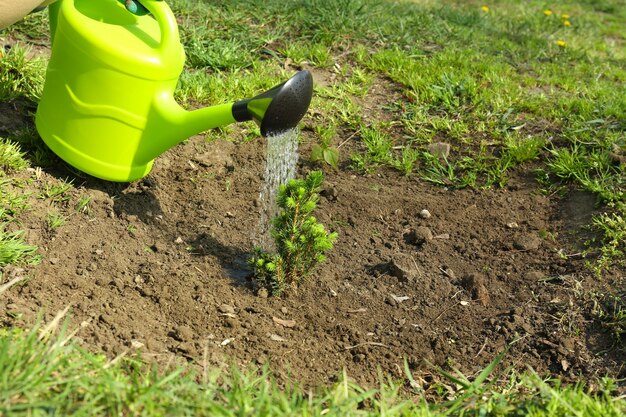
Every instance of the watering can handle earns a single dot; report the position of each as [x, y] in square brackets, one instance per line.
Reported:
[167, 23]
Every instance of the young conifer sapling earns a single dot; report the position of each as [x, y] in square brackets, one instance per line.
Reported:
[301, 242]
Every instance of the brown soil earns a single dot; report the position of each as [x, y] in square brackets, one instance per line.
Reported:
[158, 266]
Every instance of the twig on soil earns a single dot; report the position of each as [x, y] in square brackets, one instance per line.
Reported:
[11, 283]
[54, 323]
[75, 331]
[115, 359]
[348, 139]
[482, 348]
[205, 362]
[417, 268]
[449, 308]
[570, 255]
[442, 313]
[365, 344]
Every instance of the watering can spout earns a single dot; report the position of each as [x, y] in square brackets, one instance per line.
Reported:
[280, 108]
[277, 110]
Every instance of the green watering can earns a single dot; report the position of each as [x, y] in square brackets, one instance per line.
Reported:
[108, 106]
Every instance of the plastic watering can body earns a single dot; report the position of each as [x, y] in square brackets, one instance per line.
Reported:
[107, 107]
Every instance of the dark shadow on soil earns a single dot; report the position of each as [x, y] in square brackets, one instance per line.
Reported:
[233, 260]
[607, 347]
[576, 211]
[135, 199]
[16, 123]
[14, 116]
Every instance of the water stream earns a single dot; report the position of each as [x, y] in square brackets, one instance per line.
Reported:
[280, 166]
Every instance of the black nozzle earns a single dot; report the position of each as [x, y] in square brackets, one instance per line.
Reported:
[279, 109]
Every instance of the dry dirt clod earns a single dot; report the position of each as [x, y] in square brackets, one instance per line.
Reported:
[403, 267]
[475, 284]
[527, 242]
[226, 309]
[183, 333]
[231, 323]
[439, 149]
[391, 301]
[534, 276]
[420, 236]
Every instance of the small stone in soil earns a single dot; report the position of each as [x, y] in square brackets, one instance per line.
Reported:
[425, 214]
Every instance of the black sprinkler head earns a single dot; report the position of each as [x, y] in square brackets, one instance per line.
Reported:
[280, 108]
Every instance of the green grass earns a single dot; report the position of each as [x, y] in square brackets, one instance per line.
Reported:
[611, 311]
[55, 190]
[20, 75]
[11, 157]
[55, 220]
[13, 249]
[13, 201]
[46, 374]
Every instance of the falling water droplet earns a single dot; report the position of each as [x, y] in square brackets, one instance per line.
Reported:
[280, 167]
